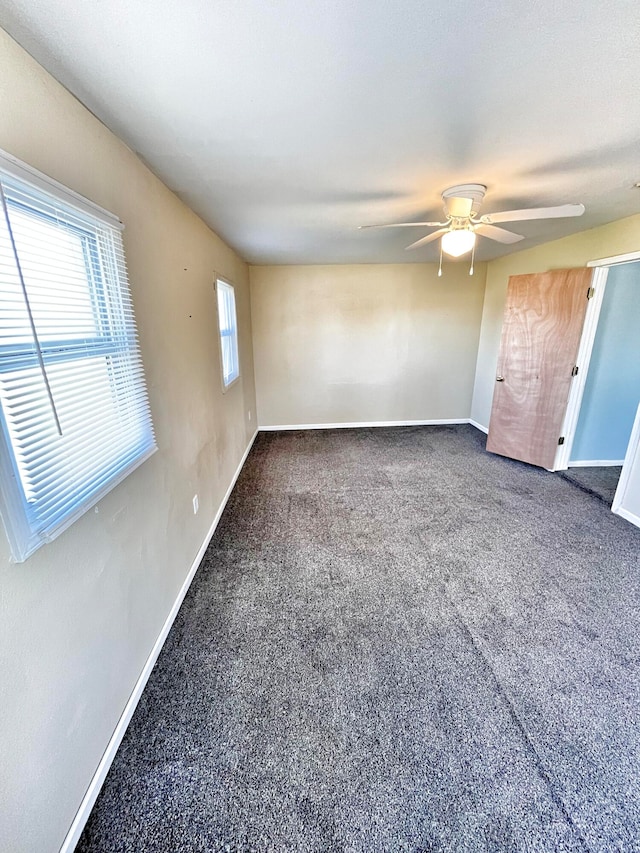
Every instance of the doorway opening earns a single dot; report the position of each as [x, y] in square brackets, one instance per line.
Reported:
[605, 407]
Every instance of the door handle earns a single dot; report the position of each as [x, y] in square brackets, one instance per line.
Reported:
[499, 378]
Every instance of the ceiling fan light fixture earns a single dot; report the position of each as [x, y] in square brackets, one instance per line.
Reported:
[458, 242]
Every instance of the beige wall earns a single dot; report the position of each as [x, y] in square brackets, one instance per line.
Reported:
[616, 238]
[79, 618]
[364, 343]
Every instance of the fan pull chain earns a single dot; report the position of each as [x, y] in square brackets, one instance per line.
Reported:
[440, 267]
[473, 254]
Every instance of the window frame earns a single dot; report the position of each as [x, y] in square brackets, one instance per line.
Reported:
[27, 524]
[235, 338]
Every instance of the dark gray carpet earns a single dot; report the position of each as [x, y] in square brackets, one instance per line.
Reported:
[396, 642]
[601, 482]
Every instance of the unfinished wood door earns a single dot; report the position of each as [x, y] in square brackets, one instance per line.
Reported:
[541, 333]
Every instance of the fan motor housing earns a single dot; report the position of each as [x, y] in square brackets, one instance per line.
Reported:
[474, 192]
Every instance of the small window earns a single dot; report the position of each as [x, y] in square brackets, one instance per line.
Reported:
[74, 413]
[228, 325]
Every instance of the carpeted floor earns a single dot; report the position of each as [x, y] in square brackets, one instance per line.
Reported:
[396, 642]
[601, 482]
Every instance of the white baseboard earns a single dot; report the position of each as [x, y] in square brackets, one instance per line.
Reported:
[479, 426]
[596, 463]
[629, 516]
[440, 422]
[99, 776]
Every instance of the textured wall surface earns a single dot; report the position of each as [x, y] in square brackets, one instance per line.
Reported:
[79, 618]
[364, 343]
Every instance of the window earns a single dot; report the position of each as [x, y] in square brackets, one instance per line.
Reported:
[74, 413]
[228, 332]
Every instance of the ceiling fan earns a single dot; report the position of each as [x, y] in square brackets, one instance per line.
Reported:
[463, 224]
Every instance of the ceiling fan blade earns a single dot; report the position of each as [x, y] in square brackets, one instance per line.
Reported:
[458, 206]
[403, 225]
[424, 240]
[501, 235]
[534, 213]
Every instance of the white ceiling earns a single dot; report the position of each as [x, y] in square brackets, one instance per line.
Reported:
[286, 124]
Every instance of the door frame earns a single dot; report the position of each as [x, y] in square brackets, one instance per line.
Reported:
[632, 454]
[598, 282]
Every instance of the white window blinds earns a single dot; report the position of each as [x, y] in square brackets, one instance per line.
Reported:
[74, 414]
[228, 332]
